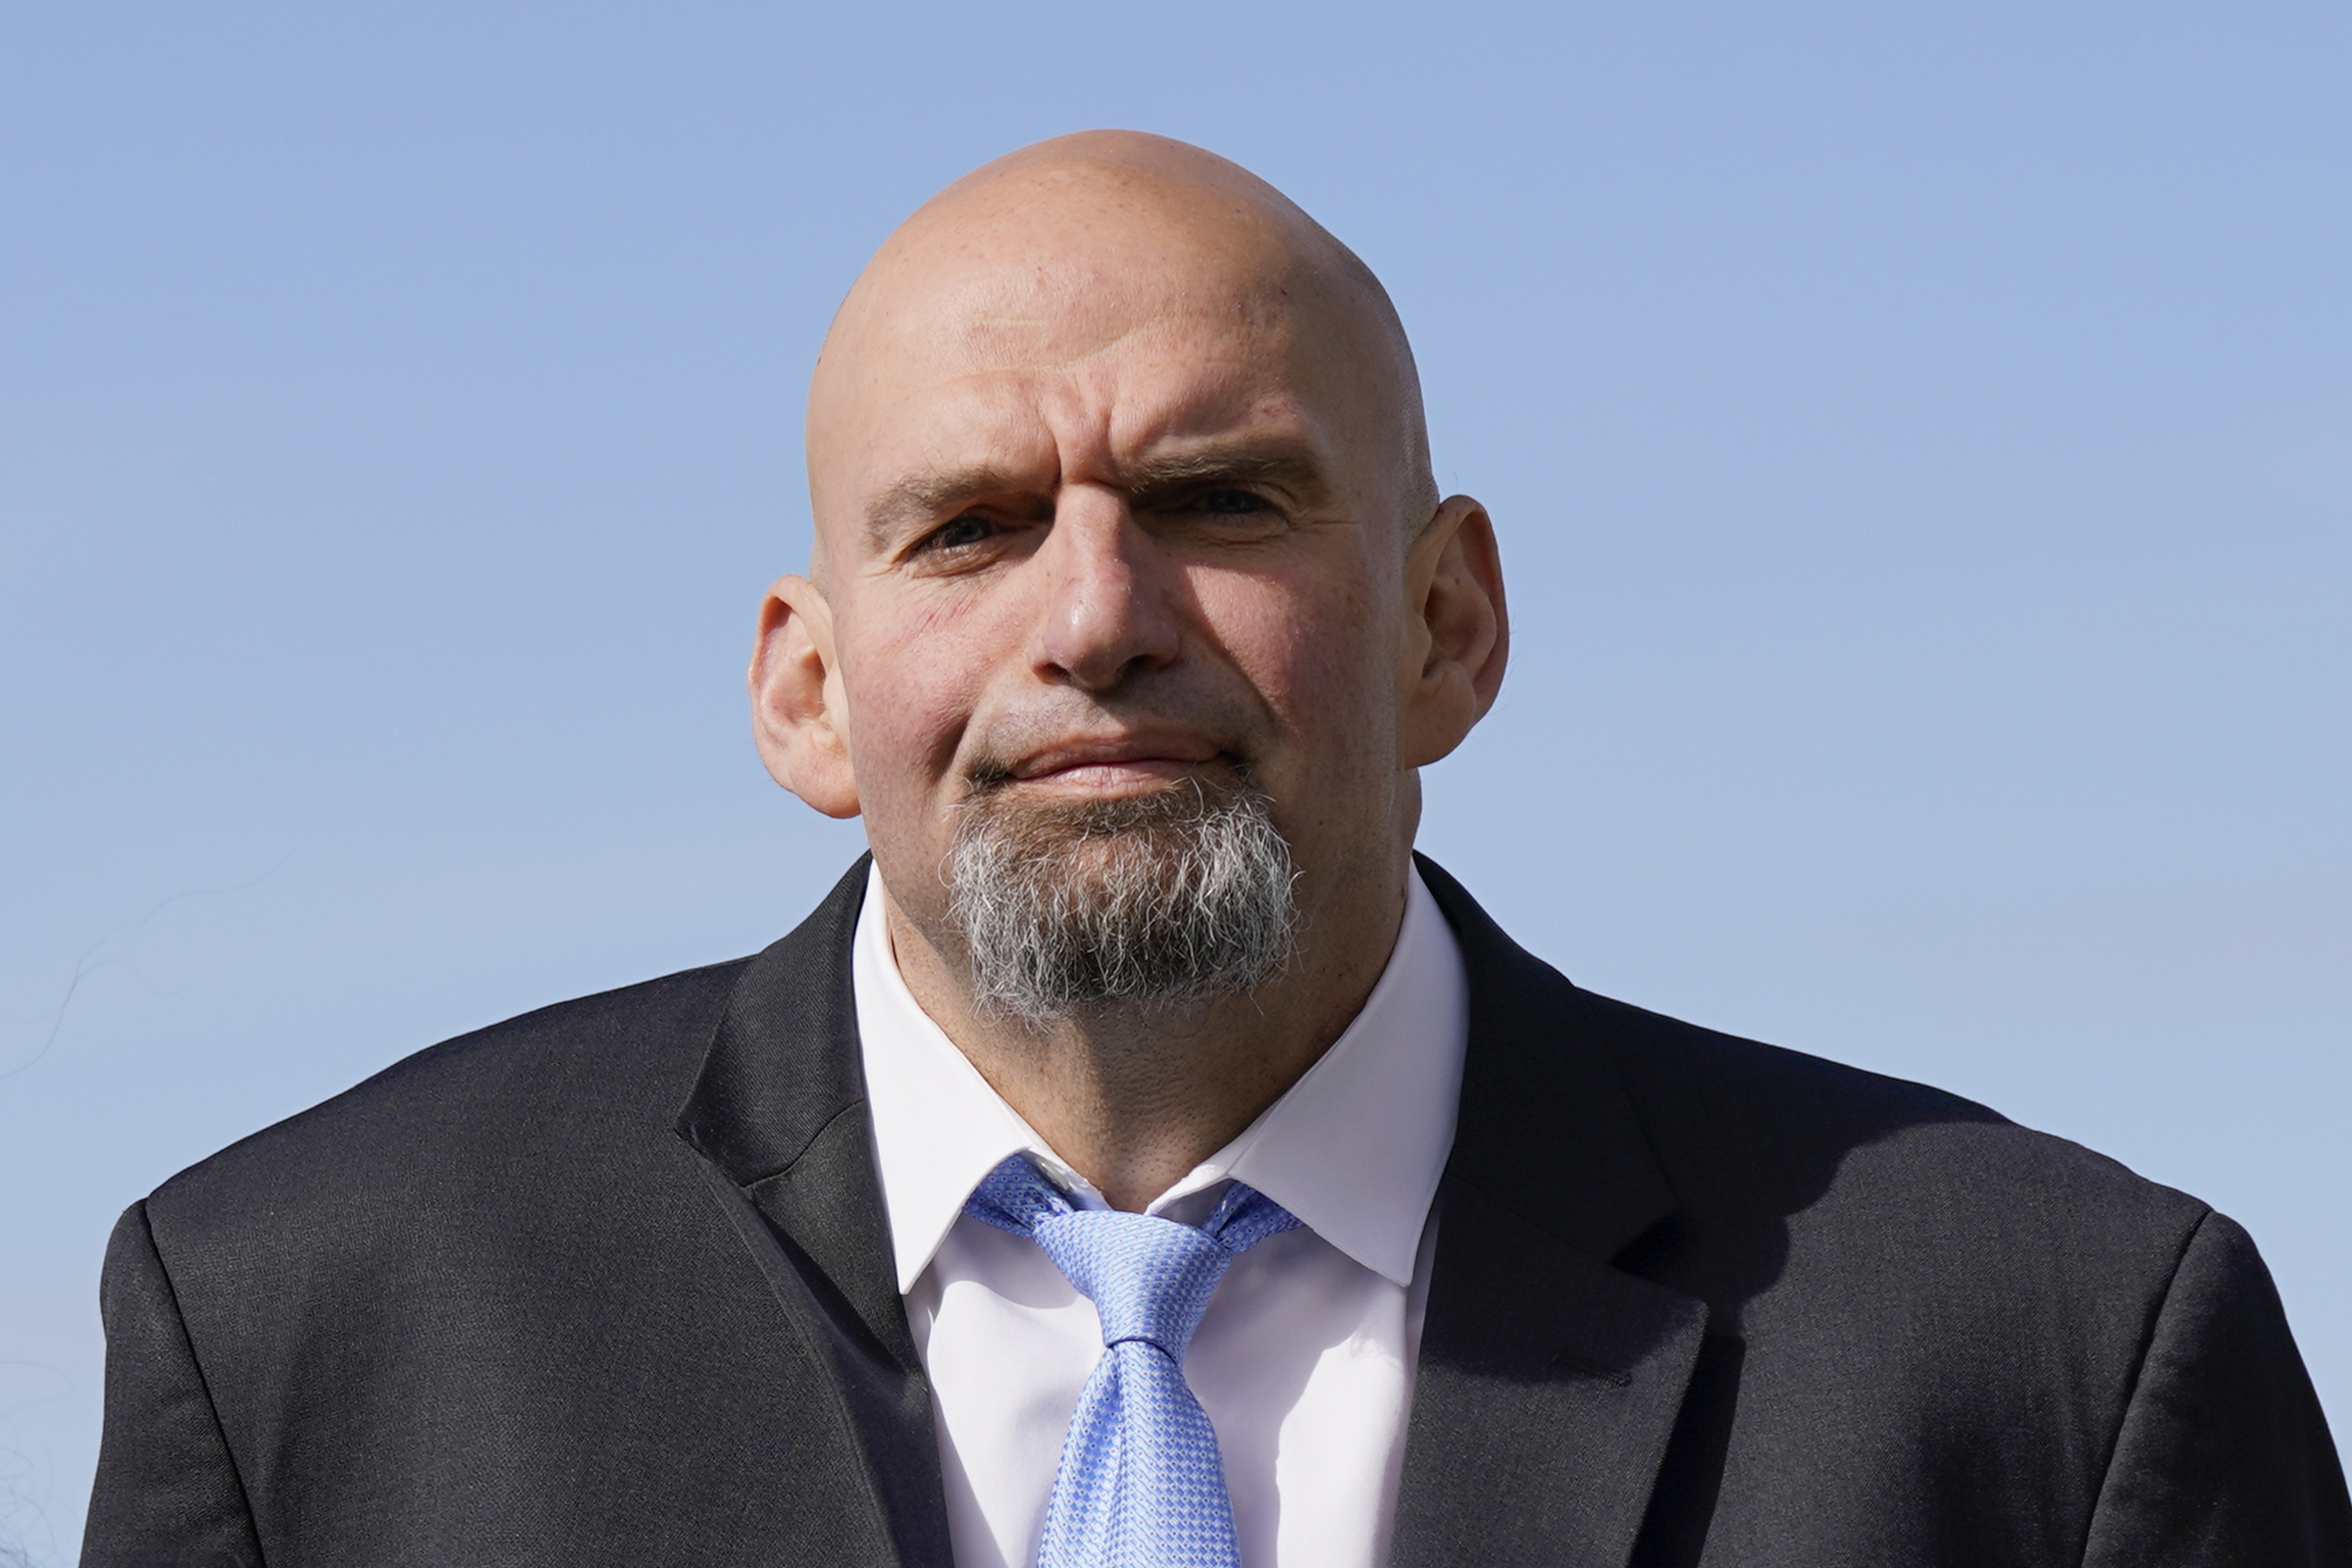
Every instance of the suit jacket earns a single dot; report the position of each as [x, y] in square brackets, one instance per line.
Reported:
[610, 1282]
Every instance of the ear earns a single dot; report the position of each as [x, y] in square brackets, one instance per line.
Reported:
[1456, 632]
[799, 713]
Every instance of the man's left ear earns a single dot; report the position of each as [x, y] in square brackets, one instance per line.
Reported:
[1456, 632]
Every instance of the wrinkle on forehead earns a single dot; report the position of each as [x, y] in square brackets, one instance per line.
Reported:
[1011, 323]
[1015, 322]
[1096, 247]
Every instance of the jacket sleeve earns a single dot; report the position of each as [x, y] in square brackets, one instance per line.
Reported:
[168, 1491]
[2223, 1458]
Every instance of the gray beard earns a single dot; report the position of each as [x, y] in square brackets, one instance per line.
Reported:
[1150, 902]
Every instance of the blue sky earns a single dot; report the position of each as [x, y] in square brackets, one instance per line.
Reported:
[1921, 436]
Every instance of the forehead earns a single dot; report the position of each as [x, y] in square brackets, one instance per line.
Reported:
[1044, 353]
[1069, 370]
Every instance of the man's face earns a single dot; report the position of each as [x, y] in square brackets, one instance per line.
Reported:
[1096, 536]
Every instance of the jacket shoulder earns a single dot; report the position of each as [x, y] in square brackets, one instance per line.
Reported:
[1717, 1101]
[1852, 1198]
[1754, 1137]
[618, 1061]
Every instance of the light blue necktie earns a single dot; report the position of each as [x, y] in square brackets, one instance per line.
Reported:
[1141, 1483]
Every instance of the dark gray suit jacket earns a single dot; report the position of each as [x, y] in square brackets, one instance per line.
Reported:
[610, 1284]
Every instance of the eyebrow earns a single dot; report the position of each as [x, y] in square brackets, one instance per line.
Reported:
[919, 497]
[1269, 460]
[1287, 461]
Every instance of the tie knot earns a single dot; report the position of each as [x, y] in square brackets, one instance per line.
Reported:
[1149, 1279]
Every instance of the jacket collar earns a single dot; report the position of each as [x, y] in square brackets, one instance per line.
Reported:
[781, 1110]
[783, 1071]
[1548, 1382]
[1546, 1127]
[778, 1114]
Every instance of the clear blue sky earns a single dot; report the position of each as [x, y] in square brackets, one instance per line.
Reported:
[1921, 437]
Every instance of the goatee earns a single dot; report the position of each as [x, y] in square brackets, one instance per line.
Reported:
[1150, 902]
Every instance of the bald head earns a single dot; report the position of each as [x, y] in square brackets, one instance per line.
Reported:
[1123, 496]
[1050, 264]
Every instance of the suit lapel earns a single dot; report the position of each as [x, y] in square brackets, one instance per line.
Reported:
[780, 1116]
[1548, 1382]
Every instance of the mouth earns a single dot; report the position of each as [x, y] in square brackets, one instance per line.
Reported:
[1109, 767]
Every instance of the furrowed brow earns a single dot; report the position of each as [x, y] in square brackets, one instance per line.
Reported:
[1293, 465]
[920, 498]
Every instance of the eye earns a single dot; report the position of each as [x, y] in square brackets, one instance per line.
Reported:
[1228, 503]
[961, 533]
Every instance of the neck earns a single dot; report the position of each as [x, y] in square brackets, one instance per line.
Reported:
[1132, 1098]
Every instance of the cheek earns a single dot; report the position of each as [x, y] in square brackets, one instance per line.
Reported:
[912, 678]
[1320, 648]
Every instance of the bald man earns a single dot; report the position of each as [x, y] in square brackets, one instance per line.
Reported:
[1143, 1158]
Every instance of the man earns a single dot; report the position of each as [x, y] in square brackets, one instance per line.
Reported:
[1145, 1160]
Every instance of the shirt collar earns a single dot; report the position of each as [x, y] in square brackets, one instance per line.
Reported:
[939, 1128]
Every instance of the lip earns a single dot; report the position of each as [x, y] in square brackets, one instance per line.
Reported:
[1117, 760]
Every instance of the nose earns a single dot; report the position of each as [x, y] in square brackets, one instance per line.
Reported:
[1110, 608]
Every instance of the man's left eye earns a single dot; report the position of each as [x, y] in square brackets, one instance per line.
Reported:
[1228, 503]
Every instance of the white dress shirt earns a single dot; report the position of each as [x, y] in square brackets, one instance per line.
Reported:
[1305, 1359]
